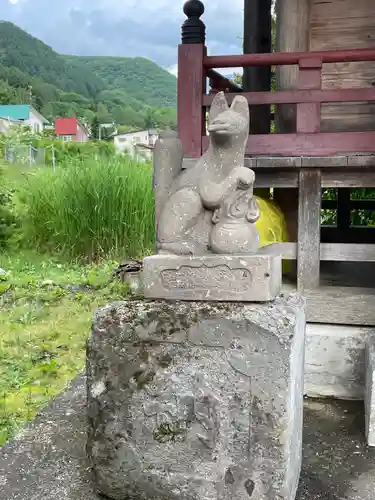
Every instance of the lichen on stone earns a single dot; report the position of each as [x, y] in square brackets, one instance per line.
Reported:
[170, 431]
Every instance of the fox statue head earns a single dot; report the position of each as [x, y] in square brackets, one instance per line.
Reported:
[229, 124]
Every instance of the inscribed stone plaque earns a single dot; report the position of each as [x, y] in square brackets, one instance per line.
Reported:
[244, 278]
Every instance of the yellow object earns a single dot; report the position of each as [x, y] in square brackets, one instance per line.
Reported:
[271, 225]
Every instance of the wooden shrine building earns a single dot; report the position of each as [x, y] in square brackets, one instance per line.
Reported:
[323, 134]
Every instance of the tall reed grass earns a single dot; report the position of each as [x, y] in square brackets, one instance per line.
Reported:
[91, 209]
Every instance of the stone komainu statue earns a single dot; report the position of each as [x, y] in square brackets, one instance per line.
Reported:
[211, 207]
[217, 191]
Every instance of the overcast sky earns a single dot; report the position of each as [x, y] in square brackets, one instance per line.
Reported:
[148, 28]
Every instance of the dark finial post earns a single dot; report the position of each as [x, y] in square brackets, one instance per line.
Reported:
[193, 30]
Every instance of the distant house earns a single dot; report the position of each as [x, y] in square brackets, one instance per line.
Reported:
[71, 129]
[143, 153]
[7, 123]
[24, 114]
[129, 140]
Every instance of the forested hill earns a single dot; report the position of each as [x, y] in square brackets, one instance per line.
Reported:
[133, 92]
[141, 78]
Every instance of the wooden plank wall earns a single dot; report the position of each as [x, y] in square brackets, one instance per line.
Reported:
[343, 24]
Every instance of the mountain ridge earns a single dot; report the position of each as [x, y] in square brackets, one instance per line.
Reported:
[133, 92]
[108, 69]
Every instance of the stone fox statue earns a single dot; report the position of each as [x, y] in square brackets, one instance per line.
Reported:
[235, 230]
[186, 218]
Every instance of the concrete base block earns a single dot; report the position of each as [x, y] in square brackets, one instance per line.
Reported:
[244, 278]
[196, 401]
[370, 391]
[335, 360]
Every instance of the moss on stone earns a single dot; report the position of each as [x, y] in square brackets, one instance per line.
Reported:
[170, 431]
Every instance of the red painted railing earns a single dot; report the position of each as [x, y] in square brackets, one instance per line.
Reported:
[195, 67]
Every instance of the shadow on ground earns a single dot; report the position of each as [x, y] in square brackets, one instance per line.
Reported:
[47, 461]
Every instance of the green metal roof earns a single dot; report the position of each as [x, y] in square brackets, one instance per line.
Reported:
[15, 111]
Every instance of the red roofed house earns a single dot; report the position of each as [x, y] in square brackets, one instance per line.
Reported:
[71, 129]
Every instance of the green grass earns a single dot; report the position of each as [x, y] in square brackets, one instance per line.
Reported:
[44, 324]
[90, 210]
[74, 226]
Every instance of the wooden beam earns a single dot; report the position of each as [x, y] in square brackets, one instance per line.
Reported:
[332, 252]
[257, 39]
[219, 82]
[341, 305]
[268, 177]
[343, 163]
[308, 242]
[191, 86]
[309, 196]
[286, 57]
[309, 78]
[297, 96]
[322, 144]
[353, 204]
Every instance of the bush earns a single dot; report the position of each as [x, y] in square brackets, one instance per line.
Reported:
[90, 209]
[7, 218]
[66, 152]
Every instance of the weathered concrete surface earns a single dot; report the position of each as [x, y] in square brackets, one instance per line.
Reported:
[370, 391]
[47, 462]
[335, 360]
[191, 400]
[248, 278]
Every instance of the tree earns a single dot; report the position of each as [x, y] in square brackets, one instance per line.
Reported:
[104, 116]
[6, 93]
[150, 119]
[95, 128]
[237, 78]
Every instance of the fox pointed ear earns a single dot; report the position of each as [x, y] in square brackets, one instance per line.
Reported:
[219, 105]
[241, 106]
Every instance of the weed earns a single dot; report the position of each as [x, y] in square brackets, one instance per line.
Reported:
[90, 210]
[45, 318]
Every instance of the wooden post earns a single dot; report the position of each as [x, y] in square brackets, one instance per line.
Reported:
[258, 39]
[191, 80]
[308, 246]
[309, 78]
[310, 184]
[292, 35]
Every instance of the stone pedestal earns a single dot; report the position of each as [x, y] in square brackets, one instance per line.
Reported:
[211, 277]
[196, 401]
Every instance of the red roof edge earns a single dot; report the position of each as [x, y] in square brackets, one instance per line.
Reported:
[66, 126]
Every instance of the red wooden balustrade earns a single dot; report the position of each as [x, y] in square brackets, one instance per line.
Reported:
[218, 82]
[195, 67]
[287, 58]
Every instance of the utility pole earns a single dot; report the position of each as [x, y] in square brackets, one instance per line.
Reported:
[53, 157]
